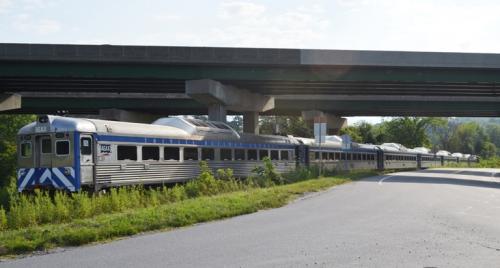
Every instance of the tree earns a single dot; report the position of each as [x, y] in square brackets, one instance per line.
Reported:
[353, 132]
[410, 131]
[468, 138]
[489, 150]
[9, 126]
[284, 125]
[236, 123]
[493, 132]
[366, 132]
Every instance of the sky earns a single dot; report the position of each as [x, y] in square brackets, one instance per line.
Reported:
[419, 25]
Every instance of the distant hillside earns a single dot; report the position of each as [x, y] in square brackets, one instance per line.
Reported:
[480, 120]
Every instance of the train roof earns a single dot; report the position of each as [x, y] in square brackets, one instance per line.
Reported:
[51, 123]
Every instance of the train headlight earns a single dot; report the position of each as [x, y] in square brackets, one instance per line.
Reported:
[67, 171]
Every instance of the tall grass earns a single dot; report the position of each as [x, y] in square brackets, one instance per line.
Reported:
[41, 207]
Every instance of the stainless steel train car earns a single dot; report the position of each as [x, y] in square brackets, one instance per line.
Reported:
[73, 153]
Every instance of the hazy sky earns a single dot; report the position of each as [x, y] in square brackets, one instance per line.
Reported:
[419, 25]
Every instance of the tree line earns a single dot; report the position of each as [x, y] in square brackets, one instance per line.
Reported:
[466, 135]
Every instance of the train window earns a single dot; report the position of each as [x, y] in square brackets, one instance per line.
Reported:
[127, 152]
[171, 153]
[26, 149]
[46, 146]
[150, 153]
[337, 156]
[207, 154]
[284, 155]
[239, 154]
[252, 154]
[226, 154]
[263, 153]
[190, 153]
[343, 156]
[316, 155]
[325, 155]
[364, 157]
[349, 156]
[86, 146]
[331, 156]
[275, 155]
[62, 147]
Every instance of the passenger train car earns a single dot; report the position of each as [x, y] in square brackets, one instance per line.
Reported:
[73, 153]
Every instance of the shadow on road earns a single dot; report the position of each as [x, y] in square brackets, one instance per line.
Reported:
[445, 177]
[485, 173]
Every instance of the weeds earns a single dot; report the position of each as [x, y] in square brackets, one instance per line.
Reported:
[3, 219]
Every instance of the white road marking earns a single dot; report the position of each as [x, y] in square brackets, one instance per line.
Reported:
[383, 179]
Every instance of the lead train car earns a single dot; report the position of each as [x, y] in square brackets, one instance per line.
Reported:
[71, 153]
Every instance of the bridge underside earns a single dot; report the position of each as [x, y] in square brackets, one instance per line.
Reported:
[87, 79]
[167, 97]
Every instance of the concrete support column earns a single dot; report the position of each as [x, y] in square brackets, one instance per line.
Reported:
[251, 122]
[220, 98]
[10, 102]
[333, 123]
[217, 112]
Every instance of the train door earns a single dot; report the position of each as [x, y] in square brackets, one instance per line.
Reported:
[43, 151]
[86, 159]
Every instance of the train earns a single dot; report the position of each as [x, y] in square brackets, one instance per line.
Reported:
[72, 154]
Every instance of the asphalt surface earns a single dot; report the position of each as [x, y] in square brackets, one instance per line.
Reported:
[433, 218]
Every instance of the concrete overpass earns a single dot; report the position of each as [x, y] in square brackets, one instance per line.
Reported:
[164, 81]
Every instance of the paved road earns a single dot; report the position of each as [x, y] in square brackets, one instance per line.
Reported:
[434, 218]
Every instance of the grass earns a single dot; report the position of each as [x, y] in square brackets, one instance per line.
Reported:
[164, 216]
[493, 162]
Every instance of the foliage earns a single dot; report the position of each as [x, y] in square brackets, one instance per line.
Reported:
[285, 125]
[353, 132]
[468, 138]
[9, 126]
[488, 150]
[410, 131]
[361, 132]
[266, 175]
[236, 123]
[3, 219]
[493, 162]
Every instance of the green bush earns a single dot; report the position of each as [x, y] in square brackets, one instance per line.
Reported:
[301, 174]
[62, 203]
[22, 213]
[266, 175]
[82, 205]
[493, 162]
[45, 208]
[3, 219]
